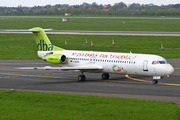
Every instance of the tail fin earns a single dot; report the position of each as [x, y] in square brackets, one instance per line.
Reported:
[42, 40]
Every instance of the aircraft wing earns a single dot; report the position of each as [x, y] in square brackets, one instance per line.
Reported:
[85, 67]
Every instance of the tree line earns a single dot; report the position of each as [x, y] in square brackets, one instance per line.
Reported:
[95, 9]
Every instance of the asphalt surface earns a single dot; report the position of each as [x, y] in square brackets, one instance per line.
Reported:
[137, 87]
[105, 33]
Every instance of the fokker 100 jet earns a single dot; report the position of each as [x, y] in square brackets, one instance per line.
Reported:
[98, 62]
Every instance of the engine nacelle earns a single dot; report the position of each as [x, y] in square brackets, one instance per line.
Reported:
[55, 58]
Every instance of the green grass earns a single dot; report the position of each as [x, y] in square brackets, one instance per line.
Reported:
[18, 105]
[30, 105]
[23, 46]
[99, 24]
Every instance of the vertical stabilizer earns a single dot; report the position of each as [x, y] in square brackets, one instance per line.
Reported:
[42, 40]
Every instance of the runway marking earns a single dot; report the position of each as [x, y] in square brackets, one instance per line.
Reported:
[117, 81]
[159, 83]
[35, 76]
[137, 79]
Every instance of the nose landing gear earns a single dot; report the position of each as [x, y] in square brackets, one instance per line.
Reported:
[155, 81]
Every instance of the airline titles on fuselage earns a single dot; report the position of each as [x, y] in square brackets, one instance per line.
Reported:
[110, 56]
[95, 57]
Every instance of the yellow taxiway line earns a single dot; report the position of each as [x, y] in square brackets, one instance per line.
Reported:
[176, 68]
[151, 82]
[139, 81]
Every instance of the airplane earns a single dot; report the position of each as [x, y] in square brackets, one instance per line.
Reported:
[98, 62]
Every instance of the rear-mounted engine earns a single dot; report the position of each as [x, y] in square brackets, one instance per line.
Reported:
[55, 58]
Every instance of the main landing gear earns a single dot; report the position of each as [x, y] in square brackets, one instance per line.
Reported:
[105, 76]
[81, 77]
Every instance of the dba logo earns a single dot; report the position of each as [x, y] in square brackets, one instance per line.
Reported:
[44, 47]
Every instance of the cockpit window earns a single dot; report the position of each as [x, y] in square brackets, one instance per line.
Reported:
[166, 62]
[155, 62]
[159, 62]
[162, 62]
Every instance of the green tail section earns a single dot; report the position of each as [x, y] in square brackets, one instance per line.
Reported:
[42, 40]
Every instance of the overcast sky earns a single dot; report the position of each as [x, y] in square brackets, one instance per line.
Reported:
[30, 3]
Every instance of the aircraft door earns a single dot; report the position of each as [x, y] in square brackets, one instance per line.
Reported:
[145, 65]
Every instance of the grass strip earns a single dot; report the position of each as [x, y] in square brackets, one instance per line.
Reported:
[23, 46]
[95, 24]
[33, 105]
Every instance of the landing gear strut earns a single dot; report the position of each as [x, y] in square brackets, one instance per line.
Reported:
[155, 81]
[105, 76]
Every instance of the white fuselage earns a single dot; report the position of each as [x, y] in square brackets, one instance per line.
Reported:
[112, 62]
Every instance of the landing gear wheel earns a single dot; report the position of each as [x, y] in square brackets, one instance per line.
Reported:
[155, 81]
[81, 78]
[105, 76]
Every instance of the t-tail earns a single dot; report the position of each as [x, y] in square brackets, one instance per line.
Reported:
[42, 40]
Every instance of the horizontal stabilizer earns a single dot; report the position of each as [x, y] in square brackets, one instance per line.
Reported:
[27, 30]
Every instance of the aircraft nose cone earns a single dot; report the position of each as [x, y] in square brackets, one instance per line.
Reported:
[170, 70]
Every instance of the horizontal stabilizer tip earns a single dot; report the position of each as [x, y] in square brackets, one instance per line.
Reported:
[27, 30]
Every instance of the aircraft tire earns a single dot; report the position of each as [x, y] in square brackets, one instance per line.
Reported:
[155, 81]
[81, 78]
[105, 76]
